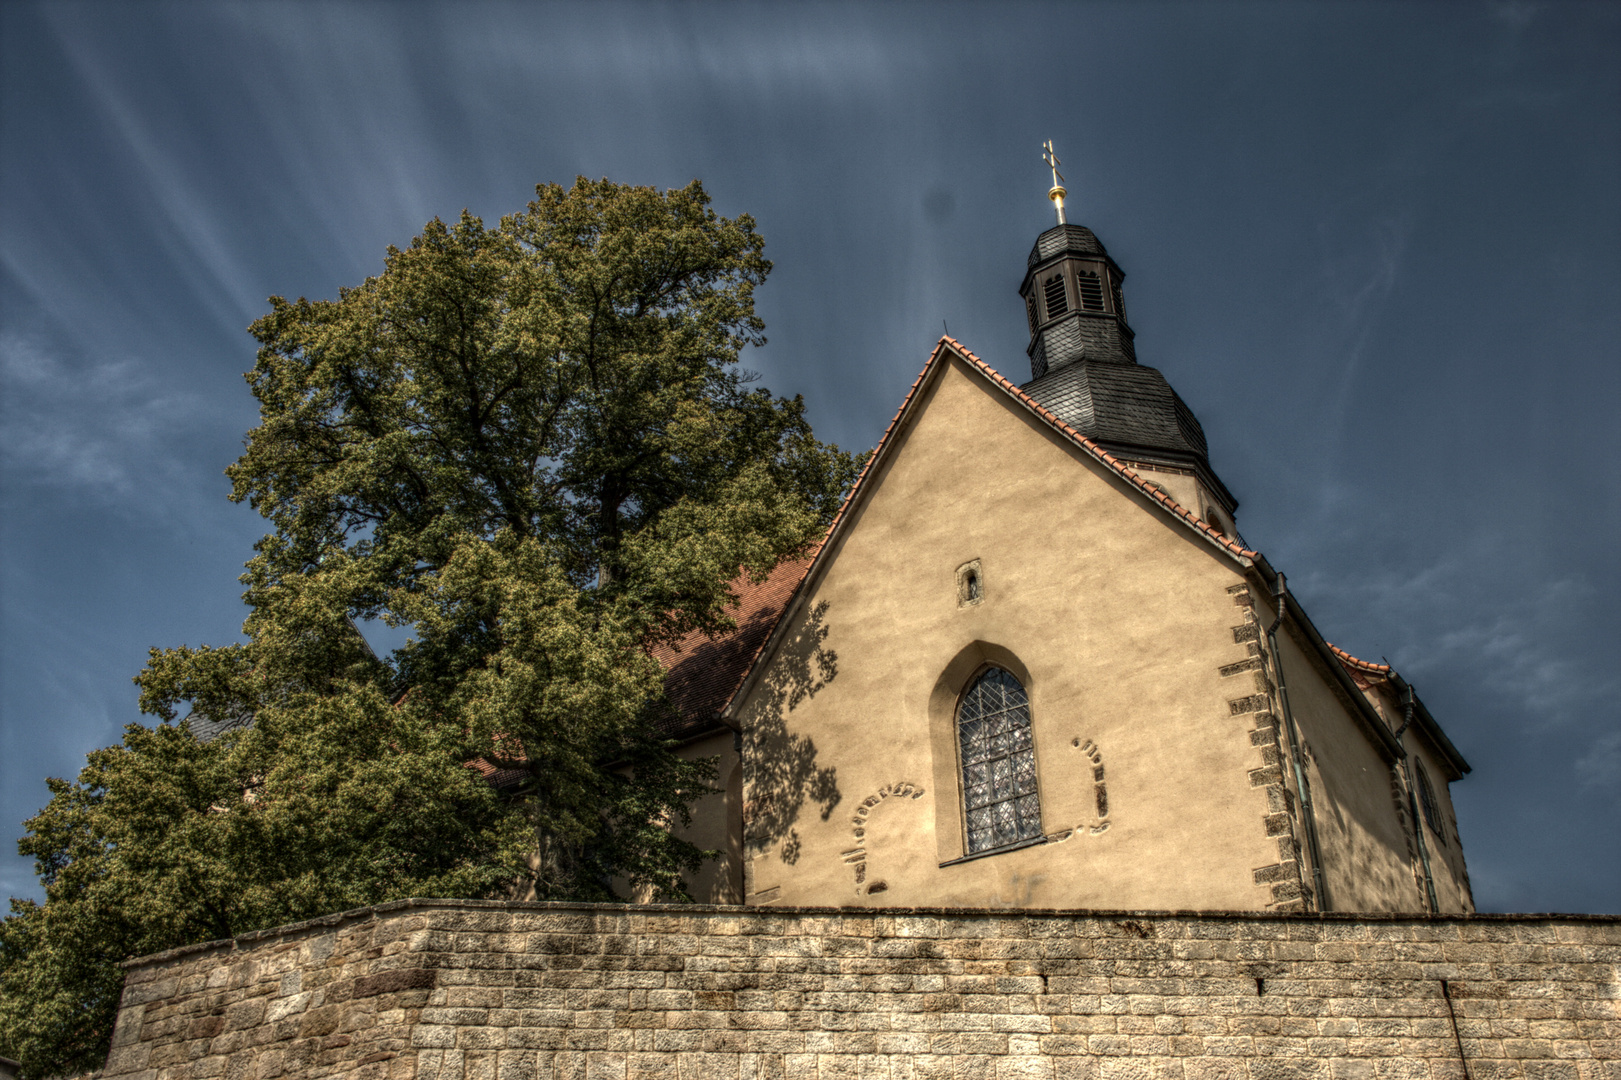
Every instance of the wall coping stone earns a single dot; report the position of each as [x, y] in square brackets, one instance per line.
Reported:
[374, 910]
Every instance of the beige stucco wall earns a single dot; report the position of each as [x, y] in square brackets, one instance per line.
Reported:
[1447, 866]
[1446, 858]
[716, 823]
[1117, 619]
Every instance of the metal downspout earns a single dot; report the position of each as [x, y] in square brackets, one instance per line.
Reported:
[1412, 801]
[1302, 788]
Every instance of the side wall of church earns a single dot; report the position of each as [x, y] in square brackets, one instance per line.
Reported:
[1442, 838]
[1121, 626]
[1363, 840]
[1364, 829]
[468, 990]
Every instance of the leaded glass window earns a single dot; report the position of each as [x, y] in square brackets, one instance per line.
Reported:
[998, 762]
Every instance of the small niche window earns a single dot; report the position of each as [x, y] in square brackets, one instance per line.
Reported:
[1119, 300]
[1057, 300]
[1426, 800]
[1030, 310]
[1091, 289]
[1000, 800]
[970, 584]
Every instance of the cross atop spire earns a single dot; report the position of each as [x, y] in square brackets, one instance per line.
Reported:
[1057, 193]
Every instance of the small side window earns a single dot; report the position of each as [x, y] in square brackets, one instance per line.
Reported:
[970, 584]
[1427, 800]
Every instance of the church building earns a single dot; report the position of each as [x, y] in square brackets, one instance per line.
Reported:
[1033, 664]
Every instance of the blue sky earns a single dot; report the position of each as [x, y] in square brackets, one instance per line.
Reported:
[1376, 247]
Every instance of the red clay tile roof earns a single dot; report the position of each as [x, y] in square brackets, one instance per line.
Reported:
[495, 775]
[702, 673]
[1353, 664]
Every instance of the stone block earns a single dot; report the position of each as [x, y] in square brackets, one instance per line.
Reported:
[1402, 1068]
[1126, 1068]
[1023, 1067]
[1215, 1068]
[1551, 1070]
[438, 1037]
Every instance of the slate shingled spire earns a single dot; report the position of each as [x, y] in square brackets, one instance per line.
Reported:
[1083, 364]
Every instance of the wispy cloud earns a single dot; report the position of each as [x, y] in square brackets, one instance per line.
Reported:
[1514, 14]
[1363, 247]
[106, 430]
[1600, 768]
[1511, 640]
[195, 237]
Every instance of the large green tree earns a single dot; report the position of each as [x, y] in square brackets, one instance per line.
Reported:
[531, 445]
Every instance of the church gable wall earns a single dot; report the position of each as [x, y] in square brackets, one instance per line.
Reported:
[1118, 622]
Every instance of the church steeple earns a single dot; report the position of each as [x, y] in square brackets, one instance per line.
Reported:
[1083, 363]
[1073, 301]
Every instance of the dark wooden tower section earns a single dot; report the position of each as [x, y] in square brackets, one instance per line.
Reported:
[1083, 364]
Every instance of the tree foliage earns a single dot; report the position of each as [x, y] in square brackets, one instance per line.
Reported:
[532, 446]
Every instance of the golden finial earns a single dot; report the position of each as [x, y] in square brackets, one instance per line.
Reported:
[1057, 193]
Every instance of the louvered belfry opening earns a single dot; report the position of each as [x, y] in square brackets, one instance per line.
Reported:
[1091, 289]
[998, 763]
[1057, 300]
[1071, 293]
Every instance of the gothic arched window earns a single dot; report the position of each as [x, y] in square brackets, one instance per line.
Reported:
[998, 762]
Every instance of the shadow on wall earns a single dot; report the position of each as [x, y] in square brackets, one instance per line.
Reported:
[780, 766]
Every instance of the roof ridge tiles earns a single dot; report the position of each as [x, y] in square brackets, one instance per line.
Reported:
[1361, 665]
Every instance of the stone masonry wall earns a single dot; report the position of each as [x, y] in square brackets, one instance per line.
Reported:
[452, 989]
